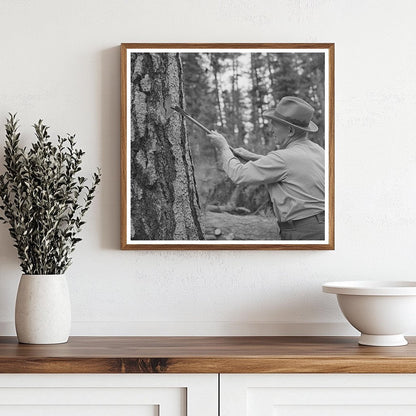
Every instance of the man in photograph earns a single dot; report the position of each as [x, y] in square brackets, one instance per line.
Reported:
[294, 173]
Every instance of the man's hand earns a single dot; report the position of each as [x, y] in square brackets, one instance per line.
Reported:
[218, 140]
[245, 154]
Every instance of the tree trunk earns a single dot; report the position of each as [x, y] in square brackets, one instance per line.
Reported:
[164, 199]
[215, 67]
[234, 97]
[272, 82]
[253, 92]
[240, 130]
[258, 101]
[260, 97]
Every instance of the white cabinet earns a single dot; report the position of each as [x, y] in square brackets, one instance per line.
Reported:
[197, 394]
[317, 394]
[109, 394]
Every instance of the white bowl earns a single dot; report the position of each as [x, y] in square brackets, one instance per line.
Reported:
[381, 311]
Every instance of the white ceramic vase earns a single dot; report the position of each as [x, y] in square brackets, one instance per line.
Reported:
[43, 309]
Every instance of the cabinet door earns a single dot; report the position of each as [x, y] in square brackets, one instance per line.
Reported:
[318, 394]
[108, 395]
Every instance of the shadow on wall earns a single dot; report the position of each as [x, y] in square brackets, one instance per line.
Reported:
[109, 101]
[288, 316]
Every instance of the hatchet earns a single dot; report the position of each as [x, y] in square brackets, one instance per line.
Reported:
[196, 122]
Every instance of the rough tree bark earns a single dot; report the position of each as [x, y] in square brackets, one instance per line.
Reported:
[164, 199]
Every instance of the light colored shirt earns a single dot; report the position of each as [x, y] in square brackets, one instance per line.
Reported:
[294, 176]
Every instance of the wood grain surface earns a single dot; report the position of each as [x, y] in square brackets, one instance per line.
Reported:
[206, 355]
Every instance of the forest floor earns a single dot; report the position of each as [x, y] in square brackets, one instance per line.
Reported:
[225, 226]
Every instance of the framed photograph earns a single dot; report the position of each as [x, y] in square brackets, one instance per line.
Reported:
[227, 146]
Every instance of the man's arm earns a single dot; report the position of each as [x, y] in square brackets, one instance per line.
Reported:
[245, 154]
[219, 141]
[266, 169]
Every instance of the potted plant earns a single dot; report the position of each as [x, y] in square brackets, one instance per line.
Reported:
[44, 199]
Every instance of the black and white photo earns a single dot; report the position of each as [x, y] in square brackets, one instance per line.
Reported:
[227, 146]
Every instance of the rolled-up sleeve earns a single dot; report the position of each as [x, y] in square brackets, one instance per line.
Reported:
[268, 169]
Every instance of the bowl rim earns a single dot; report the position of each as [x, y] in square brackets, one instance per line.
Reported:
[371, 288]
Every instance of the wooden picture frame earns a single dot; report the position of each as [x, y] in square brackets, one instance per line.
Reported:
[142, 179]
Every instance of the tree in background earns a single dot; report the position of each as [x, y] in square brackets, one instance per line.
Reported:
[164, 199]
[259, 93]
[202, 102]
[233, 99]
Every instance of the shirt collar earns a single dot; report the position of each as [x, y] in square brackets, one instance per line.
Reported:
[296, 142]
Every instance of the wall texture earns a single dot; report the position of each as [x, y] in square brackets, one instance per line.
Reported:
[60, 62]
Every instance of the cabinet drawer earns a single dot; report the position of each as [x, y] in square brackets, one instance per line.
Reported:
[318, 394]
[108, 395]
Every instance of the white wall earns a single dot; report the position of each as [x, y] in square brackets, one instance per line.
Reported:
[60, 61]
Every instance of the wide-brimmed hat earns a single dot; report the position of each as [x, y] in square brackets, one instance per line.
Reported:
[295, 112]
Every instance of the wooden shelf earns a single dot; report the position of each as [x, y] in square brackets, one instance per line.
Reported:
[206, 355]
